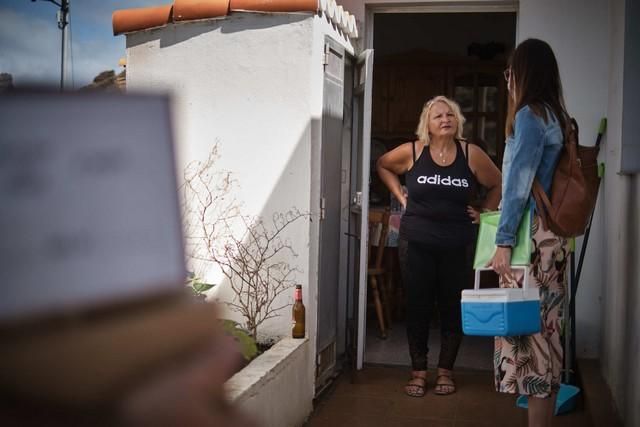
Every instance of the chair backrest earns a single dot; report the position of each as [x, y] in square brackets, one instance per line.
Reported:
[378, 231]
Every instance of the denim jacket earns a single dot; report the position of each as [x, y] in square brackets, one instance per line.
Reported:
[532, 151]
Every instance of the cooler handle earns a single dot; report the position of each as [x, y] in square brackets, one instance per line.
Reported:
[525, 282]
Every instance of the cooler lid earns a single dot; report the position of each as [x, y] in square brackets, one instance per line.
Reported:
[500, 295]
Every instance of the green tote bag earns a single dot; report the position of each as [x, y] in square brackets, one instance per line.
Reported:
[486, 243]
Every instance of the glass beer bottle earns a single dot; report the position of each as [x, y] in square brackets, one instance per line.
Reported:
[298, 314]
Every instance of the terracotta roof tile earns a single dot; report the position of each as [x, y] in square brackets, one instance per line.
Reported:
[131, 20]
[187, 10]
[275, 5]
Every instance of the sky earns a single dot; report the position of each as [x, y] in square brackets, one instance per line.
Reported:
[30, 41]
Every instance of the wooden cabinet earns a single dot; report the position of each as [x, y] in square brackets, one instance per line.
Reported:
[380, 101]
[401, 87]
[400, 94]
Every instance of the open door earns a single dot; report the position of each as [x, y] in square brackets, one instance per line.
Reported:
[330, 213]
[359, 211]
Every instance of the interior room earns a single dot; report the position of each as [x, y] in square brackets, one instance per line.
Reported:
[416, 57]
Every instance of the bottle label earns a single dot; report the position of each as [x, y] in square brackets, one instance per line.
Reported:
[298, 295]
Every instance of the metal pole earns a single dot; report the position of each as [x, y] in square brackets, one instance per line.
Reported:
[570, 340]
[62, 63]
[62, 25]
[63, 14]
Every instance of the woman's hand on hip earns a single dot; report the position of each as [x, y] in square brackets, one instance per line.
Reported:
[501, 263]
[474, 214]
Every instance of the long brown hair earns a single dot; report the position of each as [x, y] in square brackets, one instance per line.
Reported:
[534, 72]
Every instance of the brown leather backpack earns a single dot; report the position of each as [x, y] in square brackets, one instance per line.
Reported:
[574, 188]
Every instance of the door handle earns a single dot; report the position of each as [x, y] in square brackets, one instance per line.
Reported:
[357, 199]
[355, 236]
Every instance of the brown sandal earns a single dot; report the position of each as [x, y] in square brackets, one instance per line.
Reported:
[446, 387]
[417, 385]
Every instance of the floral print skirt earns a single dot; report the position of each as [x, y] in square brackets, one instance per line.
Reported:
[531, 364]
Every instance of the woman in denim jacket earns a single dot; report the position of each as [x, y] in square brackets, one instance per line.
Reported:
[530, 365]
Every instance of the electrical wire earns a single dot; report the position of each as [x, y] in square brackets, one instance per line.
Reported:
[73, 79]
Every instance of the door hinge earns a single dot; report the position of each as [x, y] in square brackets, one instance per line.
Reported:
[323, 208]
[325, 55]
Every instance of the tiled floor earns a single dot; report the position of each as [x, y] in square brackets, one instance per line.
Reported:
[376, 398]
[475, 352]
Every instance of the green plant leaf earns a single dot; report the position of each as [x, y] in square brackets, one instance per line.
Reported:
[198, 287]
[247, 344]
[201, 287]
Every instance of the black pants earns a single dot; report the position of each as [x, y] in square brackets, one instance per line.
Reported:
[434, 275]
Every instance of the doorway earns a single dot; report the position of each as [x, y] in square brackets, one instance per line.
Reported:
[344, 202]
[418, 56]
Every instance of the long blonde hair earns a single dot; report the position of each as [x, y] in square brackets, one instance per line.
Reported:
[422, 132]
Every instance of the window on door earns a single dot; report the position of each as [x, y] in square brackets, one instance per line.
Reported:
[481, 93]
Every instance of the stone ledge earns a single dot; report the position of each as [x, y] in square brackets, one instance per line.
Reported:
[263, 369]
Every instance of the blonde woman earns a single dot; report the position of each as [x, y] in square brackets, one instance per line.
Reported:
[441, 171]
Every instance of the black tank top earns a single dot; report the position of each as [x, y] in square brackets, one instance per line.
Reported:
[437, 203]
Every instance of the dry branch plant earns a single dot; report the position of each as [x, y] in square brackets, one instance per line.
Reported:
[255, 260]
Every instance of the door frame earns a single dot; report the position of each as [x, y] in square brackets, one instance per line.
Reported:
[426, 6]
[435, 6]
[363, 88]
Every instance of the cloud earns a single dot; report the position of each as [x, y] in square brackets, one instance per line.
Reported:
[30, 48]
[91, 57]
[100, 11]
[30, 45]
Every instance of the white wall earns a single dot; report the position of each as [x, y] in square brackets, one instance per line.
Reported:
[581, 45]
[243, 82]
[631, 391]
[252, 83]
[621, 328]
[615, 188]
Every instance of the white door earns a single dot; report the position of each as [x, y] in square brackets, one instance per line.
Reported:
[363, 80]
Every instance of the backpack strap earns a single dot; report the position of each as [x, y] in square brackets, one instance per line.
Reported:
[543, 204]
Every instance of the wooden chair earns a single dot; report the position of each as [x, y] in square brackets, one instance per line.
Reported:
[378, 231]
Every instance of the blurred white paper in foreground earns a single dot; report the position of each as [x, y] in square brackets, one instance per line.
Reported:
[89, 212]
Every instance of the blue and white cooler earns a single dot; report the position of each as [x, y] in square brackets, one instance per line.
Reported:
[501, 311]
